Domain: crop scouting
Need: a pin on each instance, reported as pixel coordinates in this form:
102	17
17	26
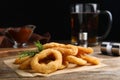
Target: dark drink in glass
84	22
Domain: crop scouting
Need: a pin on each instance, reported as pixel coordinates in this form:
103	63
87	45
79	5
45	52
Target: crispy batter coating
53	44
26	64
39	63
67	50
90	59
76	60
84	50
21	60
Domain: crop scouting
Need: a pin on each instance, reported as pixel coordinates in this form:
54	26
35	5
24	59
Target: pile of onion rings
56	56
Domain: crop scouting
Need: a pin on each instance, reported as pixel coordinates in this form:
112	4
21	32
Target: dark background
52	16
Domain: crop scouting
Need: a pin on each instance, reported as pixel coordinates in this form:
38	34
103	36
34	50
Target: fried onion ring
76	60
25	64
53	44
54	61
90	59
63	48
84	50
21	60
67	49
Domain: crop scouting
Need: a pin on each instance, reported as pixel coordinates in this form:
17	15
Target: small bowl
21	35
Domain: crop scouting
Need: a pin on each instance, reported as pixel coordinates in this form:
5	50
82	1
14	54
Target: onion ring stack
56	56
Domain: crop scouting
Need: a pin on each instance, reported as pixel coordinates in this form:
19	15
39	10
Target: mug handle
109	24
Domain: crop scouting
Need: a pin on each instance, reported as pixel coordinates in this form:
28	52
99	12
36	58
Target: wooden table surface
110	72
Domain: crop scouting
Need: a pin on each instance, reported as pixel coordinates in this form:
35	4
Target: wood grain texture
110	72
4	52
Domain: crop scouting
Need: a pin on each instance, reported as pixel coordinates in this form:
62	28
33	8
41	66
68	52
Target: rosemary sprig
27	53
32	53
39	45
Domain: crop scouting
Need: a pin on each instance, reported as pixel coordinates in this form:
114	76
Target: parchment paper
70	69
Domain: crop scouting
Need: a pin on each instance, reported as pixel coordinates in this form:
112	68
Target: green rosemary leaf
32	53
23	54
39	45
27	53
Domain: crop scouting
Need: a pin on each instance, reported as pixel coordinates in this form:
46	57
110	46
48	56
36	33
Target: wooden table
111	72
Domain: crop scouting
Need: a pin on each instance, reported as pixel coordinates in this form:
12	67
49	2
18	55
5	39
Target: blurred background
53	16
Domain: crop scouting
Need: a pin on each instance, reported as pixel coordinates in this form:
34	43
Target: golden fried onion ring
90	59
84	50
39	63
25	64
53	44
67	49
21	60
76	60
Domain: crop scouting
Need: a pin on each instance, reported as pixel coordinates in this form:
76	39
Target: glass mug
85	22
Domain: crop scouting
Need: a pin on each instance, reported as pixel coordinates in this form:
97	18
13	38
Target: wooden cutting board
4	52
